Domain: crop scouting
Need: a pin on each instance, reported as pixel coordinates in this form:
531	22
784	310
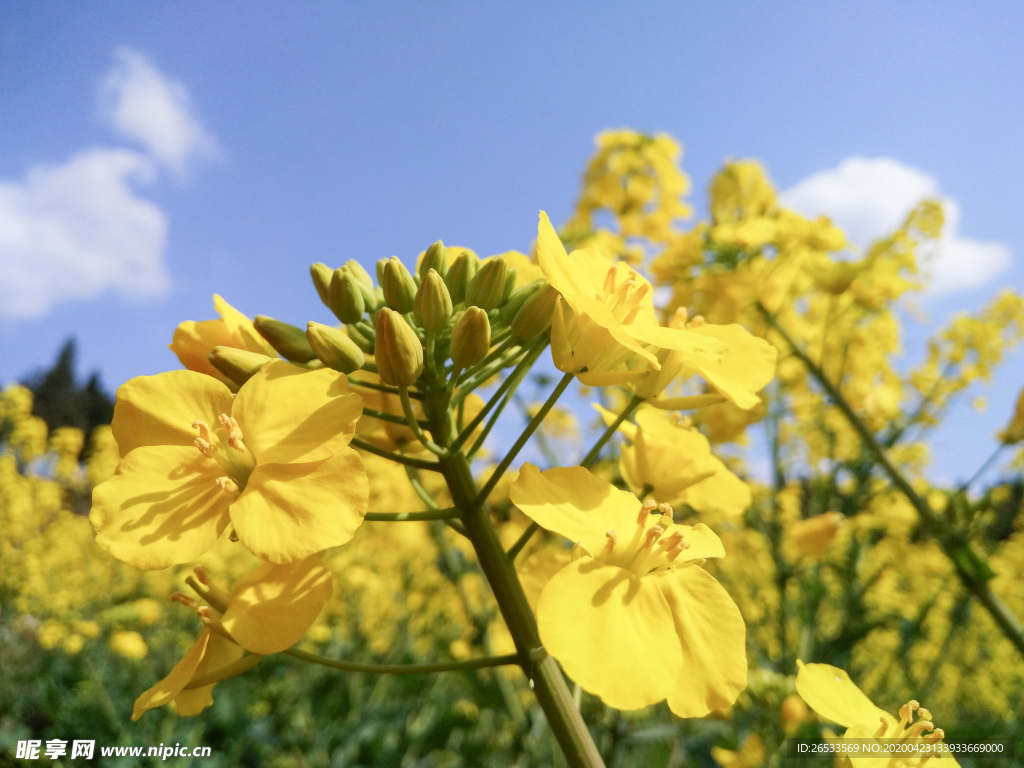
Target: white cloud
870	197
145	105
76	230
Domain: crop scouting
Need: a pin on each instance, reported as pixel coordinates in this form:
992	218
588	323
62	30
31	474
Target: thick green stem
972	569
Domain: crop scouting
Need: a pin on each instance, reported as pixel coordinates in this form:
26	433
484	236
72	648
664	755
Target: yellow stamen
205	447
234	433
204	429
678	321
920	727
225	483
697	322
181	597
653	534
882	728
613	539
924	714
609	280
645	511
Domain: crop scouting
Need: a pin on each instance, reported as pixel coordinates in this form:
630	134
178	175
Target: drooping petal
242	329
290	511
575	277
162	507
574	502
723	493
219	653
272	606
712	639
612	632
747	367
831	693
193	341
287	413
181	675
159	410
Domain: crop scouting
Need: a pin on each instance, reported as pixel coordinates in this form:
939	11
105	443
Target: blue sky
321	132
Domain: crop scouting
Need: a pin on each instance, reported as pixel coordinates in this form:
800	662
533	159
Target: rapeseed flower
635	619
831	693
267	611
193	341
272	461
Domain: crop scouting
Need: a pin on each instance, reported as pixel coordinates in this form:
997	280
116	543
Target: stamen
645	511
211	619
937	735
609	279
225	483
666	510
924	714
676	546
883	726
697	322
653	534
205	447
678	320
204	429
613	539
907	713
234	433
216	592
920	727
635	302
181	597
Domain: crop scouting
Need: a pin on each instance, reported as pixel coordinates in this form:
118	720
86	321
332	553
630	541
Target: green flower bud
471	338
381	263
517	299
289	341
239	365
435	259
511	273
487	286
345	298
462	270
535	315
433	305
321	275
399	287
359	273
362	340
333	348
398	352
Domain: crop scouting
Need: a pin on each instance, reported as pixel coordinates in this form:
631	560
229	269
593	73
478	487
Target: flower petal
272	606
287	413
290	511
159	410
537	570
161	507
747	367
704	543
241	328
219	653
193	341
575	503
831	693
711	636
164	692
578	276
723	493
610	630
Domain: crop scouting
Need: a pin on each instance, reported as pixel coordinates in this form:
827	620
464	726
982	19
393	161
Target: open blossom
831	693
605	315
635	620
272	461
193	340
267	611
674	461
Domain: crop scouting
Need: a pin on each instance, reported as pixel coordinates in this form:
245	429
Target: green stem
972	569
592	455
405	669
414	425
452	522
981	470
486	374
535	422
430	514
508	389
399	458
393	418
522	541
381	387
371	367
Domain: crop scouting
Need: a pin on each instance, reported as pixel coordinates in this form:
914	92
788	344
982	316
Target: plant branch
405	669
401	517
382	387
399	458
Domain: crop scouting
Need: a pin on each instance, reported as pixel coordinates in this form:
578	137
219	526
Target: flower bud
511	274
359	273
462	270
321	275
381	263
534	317
362	340
471	338
289	341
515	302
433	305
399	287
239	365
334	349
398	351
344	298
487	286
435	259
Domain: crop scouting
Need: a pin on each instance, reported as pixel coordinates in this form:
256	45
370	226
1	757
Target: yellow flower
604	316
635	620
831	693
674	461
268	611
193	341
128	644
812	536
275	464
